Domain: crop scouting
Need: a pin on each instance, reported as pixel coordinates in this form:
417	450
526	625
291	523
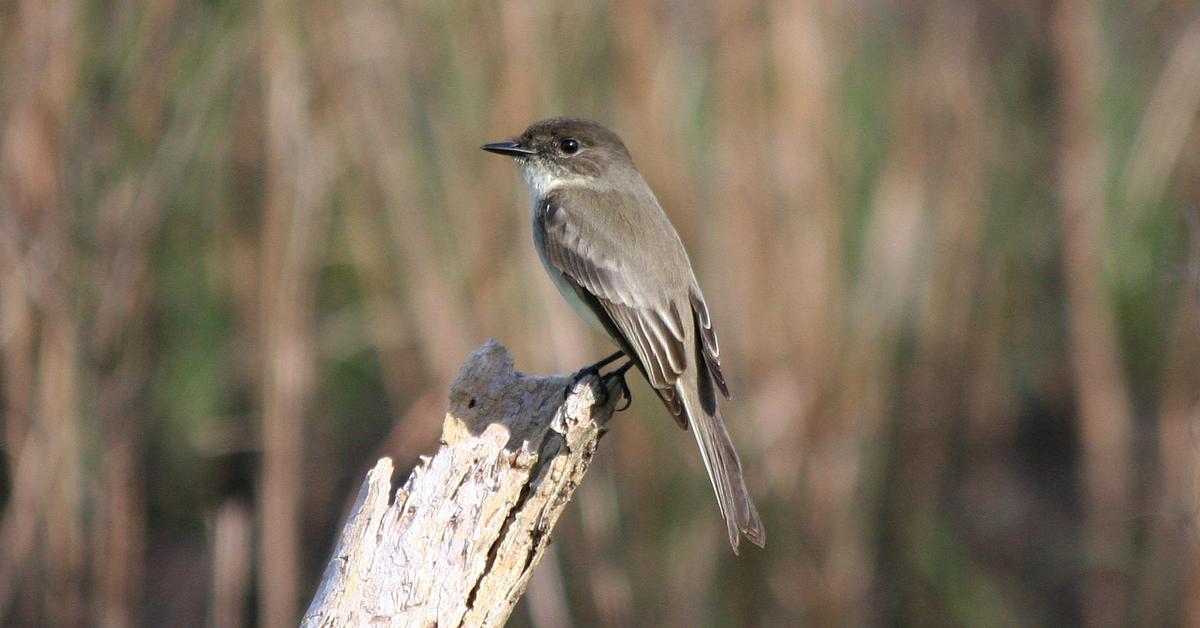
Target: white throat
542	181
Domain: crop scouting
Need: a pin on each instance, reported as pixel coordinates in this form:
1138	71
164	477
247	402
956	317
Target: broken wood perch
457	545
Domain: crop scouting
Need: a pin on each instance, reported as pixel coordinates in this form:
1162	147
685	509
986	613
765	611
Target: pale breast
565	287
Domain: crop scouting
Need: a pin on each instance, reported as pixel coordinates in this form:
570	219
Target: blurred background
952	249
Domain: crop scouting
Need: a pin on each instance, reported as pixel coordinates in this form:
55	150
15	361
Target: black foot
594	369
619	374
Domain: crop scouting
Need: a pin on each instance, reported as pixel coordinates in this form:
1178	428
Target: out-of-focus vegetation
951	249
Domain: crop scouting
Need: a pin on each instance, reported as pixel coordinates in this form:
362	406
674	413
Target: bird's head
567	151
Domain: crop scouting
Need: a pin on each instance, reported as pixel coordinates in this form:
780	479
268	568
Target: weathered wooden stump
458	543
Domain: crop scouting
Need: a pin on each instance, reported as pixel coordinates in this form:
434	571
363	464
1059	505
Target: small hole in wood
471	403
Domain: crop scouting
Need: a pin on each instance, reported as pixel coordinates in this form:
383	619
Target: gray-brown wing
643	322
708	339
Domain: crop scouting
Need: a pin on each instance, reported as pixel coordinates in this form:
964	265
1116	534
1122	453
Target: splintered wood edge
459	542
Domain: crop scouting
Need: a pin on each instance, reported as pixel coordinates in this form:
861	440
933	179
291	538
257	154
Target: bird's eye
569	146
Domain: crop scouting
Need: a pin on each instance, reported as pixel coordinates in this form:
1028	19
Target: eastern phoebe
613	254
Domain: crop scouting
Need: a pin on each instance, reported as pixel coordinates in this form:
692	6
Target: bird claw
619	374
627	394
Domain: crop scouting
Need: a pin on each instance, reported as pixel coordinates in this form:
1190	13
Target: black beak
510	148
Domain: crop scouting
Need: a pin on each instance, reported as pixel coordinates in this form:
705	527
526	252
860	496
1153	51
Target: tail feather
721	461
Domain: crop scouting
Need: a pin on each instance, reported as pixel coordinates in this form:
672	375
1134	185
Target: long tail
720	459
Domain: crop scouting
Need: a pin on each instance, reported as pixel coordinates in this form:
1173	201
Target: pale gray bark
457	545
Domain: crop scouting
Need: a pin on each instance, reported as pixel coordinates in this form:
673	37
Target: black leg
619	373
595	368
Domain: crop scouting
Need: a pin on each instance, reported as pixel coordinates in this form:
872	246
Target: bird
614	255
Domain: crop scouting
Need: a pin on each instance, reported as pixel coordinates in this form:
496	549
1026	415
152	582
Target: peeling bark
457	545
